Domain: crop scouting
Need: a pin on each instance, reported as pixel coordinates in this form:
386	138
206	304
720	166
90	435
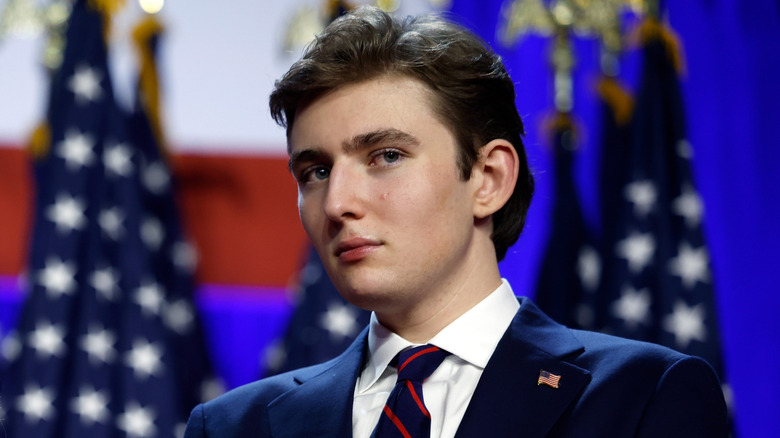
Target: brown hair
473	94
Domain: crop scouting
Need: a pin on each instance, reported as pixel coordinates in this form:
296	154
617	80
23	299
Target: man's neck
422	322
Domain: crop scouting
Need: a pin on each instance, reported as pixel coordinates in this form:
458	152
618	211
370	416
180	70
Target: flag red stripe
16	203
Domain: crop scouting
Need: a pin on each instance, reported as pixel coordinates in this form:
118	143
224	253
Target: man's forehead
390	82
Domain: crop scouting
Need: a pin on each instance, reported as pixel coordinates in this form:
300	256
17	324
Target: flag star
689	206
637	249
105	281
179	316
110	221
275	356
90	406
684	149
144	359
686	323
36	403
155	178
728	395
85	84
137	421
150	297
211	388
11	347
589	268
67	213
76	150
310	273
633	306
643	195
179	429
585	316
691	265
57	277
152	233
117	159
99	345
339	320
47	339
185	256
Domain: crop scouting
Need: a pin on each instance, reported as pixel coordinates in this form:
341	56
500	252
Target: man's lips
356	248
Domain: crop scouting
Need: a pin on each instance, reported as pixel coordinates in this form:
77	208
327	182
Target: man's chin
365	297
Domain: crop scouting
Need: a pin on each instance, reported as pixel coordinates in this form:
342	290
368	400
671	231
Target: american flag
569	276
657	278
548	378
108	343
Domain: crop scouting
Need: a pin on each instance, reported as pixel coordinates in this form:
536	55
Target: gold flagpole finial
149	90
563	20
107	7
521	17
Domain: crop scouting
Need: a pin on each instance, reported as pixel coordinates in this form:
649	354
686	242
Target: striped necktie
404	414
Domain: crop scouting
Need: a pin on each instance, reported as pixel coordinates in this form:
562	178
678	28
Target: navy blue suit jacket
609	387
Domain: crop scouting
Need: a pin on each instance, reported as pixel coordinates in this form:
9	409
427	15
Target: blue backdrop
731	98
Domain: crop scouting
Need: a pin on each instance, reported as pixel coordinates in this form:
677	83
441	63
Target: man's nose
345	194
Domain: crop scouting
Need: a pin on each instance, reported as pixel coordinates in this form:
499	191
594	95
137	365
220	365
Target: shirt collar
383	346
472	337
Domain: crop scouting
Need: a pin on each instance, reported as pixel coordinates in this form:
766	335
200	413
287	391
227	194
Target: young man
413	182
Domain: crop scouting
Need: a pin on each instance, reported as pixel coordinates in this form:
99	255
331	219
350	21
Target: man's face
380	197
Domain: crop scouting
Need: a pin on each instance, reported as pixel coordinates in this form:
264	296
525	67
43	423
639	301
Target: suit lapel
508	400
322	404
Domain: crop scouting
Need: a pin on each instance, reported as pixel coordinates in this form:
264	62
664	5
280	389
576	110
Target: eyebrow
368	139
389	135
305	155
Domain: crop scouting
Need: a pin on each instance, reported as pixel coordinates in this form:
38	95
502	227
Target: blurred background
149	236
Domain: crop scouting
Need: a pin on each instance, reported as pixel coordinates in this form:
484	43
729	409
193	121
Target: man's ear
495	174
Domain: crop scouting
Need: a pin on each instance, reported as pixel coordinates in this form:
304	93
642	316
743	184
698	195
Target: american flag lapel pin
548	378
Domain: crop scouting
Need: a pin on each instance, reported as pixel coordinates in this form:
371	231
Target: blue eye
391	156
313	174
321	173
384	157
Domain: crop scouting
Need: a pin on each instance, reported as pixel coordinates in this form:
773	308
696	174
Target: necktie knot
417	364
405	414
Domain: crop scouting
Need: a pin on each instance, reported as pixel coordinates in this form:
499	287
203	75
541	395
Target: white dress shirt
471	339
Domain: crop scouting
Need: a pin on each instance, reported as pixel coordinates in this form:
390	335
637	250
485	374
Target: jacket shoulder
611	359
245	408
603	347
267	389
659	391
